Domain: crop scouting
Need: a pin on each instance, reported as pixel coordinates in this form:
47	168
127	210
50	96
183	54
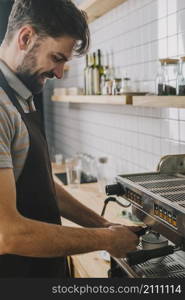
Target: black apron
36	198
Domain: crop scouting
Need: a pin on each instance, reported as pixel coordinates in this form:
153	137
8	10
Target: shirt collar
14	82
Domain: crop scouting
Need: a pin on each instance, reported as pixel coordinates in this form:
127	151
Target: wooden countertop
91	265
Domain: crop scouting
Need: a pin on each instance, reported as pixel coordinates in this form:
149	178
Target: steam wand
112	199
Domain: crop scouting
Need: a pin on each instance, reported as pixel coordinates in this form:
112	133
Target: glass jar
126	85
103	172
116	86
180	78
160	80
105	87
167	78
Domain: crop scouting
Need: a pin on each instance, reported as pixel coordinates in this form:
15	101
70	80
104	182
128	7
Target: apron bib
36	198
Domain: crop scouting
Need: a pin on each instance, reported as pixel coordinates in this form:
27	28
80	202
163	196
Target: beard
26	72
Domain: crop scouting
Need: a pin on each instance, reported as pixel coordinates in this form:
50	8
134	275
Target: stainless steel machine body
158	200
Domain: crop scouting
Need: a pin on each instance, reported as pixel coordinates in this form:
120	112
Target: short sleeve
5	139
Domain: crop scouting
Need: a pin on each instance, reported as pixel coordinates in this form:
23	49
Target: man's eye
57	59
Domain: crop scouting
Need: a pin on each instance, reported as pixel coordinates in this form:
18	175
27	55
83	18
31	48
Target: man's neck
7	57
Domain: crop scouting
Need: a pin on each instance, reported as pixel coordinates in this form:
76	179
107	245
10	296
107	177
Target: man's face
45	60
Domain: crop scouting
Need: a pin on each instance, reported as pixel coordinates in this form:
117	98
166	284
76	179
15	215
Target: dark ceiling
6	1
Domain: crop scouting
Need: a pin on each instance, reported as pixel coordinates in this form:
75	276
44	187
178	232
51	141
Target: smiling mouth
43	78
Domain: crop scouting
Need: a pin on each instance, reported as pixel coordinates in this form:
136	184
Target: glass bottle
180	78
116	86
102	85
96	76
126	84
166	76
103	75
90	74
105	64
86	69
100	65
97	73
160	80
111	72
170	75
170	71
165	83
105	86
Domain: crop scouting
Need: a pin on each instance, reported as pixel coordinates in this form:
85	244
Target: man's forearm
38	239
73	210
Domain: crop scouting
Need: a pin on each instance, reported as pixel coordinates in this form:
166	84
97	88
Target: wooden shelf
97	8
143	101
113	100
159	101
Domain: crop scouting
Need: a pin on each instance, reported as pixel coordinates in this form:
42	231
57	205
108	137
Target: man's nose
59	71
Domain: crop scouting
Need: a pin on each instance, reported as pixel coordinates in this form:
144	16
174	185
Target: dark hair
54	18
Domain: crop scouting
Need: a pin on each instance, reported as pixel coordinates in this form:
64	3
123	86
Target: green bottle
97	73
86	81
90	74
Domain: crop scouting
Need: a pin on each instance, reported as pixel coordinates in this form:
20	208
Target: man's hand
122	240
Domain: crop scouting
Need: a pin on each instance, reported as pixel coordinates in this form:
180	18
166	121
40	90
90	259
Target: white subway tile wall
138	33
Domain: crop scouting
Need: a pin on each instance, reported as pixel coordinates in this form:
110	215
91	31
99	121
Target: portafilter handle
140	256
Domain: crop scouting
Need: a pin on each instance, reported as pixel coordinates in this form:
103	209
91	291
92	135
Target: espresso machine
157	199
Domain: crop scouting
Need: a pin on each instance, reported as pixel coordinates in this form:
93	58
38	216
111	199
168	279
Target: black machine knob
114	189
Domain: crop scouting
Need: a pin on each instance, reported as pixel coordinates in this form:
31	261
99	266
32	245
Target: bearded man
42	35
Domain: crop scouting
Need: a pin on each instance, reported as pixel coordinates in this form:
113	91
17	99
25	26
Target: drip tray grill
169	267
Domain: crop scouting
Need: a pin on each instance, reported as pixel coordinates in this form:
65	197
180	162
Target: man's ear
26	37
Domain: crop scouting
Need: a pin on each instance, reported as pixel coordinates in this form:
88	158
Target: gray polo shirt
14	137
